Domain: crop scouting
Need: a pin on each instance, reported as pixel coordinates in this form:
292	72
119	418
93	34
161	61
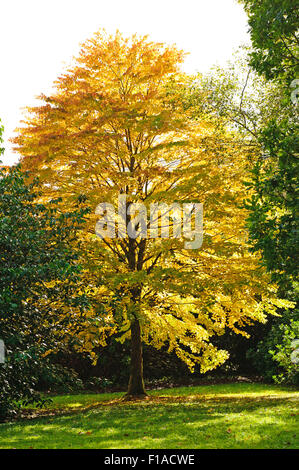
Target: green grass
233	416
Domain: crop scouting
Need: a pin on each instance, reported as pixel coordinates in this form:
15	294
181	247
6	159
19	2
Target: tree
1	139
115	131
271	356
273	26
273	221
267	129
39	286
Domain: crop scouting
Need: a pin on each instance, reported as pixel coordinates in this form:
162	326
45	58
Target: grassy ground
230	416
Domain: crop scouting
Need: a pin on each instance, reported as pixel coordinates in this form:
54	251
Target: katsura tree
115	134
40	283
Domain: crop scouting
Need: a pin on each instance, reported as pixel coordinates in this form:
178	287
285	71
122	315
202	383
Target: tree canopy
116	126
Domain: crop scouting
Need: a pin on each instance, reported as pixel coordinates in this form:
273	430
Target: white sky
38	37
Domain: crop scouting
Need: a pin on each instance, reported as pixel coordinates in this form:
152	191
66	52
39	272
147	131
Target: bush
272	356
56	378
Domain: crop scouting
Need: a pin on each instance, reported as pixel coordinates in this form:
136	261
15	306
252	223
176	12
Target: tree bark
136	383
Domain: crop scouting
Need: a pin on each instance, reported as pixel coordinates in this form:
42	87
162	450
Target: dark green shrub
271	356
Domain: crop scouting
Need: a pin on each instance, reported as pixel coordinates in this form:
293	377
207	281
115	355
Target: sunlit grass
217	416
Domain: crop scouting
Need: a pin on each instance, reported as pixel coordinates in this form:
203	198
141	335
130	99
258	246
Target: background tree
1	139
266	121
273	27
273	221
116	126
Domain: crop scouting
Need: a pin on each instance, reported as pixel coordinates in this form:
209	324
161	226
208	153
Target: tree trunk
136	384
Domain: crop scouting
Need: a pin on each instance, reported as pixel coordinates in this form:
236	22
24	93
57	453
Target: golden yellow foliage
112	128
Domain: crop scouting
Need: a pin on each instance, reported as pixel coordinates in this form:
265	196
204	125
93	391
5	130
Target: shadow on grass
174	422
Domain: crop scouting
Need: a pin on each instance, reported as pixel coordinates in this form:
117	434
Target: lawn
230	416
